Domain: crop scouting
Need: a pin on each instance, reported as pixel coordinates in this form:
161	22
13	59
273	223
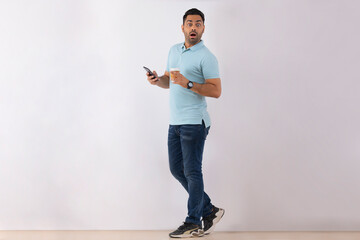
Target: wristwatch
190	84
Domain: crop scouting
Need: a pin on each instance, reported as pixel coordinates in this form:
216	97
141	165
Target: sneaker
187	230
212	219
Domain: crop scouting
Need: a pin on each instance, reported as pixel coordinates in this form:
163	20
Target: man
189	120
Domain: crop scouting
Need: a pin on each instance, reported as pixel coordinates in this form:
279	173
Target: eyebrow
191	21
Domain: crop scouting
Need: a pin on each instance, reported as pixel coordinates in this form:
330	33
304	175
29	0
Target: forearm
210	88
206	89
163	82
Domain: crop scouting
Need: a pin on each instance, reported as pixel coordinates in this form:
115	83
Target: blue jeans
185	146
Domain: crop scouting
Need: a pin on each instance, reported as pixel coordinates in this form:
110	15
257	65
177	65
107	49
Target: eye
198	24
189	24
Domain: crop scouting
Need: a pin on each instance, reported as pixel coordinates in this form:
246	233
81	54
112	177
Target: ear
204	29
182	28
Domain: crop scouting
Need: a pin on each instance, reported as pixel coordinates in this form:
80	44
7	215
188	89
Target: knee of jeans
177	173
193	175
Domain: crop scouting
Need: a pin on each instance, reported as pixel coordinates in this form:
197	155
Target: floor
163	235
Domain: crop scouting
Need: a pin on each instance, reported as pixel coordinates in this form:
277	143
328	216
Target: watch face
191	84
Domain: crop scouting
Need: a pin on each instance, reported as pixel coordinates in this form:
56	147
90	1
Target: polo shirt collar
193	48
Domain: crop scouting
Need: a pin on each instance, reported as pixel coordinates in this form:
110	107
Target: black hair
194	11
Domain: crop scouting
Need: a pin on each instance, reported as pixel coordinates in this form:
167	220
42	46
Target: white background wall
83	135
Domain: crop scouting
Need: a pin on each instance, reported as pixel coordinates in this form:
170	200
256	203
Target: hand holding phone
152	75
150	72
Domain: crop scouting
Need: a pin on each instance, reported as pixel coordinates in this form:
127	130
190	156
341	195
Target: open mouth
192	35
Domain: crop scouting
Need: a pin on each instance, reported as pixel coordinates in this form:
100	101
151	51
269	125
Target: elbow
217	94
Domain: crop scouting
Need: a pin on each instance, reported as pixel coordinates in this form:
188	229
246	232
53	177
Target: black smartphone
150	72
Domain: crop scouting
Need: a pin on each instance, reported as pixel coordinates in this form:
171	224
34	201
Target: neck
188	45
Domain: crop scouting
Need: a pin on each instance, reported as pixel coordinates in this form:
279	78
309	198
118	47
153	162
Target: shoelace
184	226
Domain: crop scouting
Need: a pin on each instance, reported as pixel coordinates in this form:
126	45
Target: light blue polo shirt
196	63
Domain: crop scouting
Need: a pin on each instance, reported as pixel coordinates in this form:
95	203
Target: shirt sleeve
210	67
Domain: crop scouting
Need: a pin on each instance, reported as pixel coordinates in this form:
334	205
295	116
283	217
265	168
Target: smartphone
150	72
